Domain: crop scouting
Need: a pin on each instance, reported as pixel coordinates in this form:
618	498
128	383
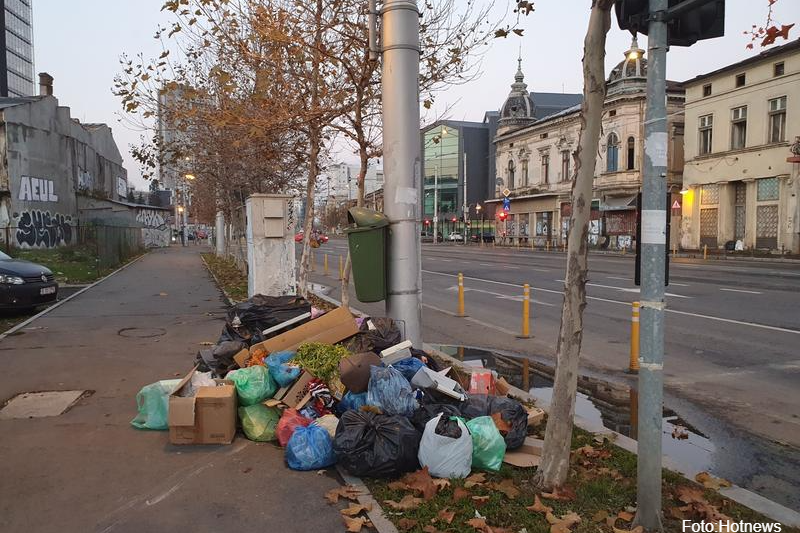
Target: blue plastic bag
408	366
352	401
390	391
282	373
310	448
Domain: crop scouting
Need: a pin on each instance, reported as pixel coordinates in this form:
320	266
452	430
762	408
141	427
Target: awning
621	203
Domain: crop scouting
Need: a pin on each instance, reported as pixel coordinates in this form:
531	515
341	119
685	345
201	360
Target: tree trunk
554	468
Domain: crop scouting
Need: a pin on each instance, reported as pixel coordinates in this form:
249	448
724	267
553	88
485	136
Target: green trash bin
367	241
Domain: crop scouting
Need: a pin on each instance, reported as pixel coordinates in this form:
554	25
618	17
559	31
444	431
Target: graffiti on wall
37	190
40	229
85	180
156	231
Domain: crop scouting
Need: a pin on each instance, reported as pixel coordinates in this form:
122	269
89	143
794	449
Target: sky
79	43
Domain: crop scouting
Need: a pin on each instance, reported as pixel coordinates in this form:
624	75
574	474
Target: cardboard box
294	394
332	327
535	416
526	456
208	417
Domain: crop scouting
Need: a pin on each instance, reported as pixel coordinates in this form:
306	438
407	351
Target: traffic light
427	222
688	21
502	215
454	219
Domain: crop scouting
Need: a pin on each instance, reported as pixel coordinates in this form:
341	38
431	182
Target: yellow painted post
341	268
674	251
705	252
326	264
526	312
624	250
460	295
313	258
634	364
547	245
533	243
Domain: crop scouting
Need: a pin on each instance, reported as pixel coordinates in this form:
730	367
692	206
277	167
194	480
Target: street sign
506	204
506	192
676	205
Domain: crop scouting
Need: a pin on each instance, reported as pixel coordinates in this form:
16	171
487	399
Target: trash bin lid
366	218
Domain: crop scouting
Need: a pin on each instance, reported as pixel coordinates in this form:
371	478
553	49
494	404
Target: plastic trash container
367	242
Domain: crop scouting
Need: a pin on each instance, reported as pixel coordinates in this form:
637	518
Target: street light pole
435	204
465	209
653	243
400	91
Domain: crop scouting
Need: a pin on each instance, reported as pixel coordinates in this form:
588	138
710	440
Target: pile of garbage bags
380	424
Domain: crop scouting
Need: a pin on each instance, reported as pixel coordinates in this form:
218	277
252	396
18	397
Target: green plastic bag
488	445
259	422
253	384
153	404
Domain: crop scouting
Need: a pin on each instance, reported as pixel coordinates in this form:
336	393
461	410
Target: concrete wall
49	158
154	221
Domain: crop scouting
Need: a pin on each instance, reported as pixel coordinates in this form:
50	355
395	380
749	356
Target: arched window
631	153
524	173
510	183
612	153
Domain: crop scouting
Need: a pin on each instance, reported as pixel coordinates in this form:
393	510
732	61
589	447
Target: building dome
632	69
518	108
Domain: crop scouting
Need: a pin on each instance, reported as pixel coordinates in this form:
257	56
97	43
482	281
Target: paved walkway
88	469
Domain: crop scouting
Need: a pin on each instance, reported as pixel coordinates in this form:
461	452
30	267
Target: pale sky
79	43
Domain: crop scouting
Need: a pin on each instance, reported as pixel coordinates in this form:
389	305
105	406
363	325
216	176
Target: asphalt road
732	331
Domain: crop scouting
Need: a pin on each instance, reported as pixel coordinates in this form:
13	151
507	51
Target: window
543	225
612	113
612	153
738	127
565	165
543	136
524	173
767	189
545	168
777	120
631	153
706	134
707	89
777	69
510	183
740	80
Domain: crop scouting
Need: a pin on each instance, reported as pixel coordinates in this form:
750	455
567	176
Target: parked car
25	285
427	236
298	237
455	237
487	237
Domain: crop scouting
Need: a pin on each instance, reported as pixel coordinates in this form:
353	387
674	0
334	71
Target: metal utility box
367	242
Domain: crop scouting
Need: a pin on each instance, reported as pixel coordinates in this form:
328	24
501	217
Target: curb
227	296
376	514
68	298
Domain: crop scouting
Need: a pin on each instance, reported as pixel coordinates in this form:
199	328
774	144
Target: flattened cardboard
293	395
501	387
209	417
526	456
332	327
242	357
535	416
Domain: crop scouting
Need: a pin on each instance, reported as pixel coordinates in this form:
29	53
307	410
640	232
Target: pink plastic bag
290	420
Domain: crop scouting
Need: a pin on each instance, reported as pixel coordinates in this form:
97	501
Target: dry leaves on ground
625	515
475	479
355	509
538	506
481	525
592	452
680	433
460	493
697	506
445	516
348	491
564	493
354	525
441	483
480	501
711	482
408	503
600	516
404	524
422	482
563	524
507	487
637	529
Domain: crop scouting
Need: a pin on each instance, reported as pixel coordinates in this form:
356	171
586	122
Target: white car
455	236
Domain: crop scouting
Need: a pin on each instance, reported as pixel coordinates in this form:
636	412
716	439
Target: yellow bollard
526	313
533	243
634	364
460	295
705	252
313	257
547	245
341	268
675	251
624	250
326	264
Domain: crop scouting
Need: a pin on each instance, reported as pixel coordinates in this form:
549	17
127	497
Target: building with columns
535	166
741	187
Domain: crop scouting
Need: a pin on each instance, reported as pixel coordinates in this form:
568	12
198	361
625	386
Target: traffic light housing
502	215
688	21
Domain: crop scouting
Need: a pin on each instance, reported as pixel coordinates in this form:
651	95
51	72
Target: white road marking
741	290
541	269
627	304
500	295
678	284
626	289
621	279
487	264
443	260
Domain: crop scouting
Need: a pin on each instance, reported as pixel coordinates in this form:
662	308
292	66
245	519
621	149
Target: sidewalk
88	469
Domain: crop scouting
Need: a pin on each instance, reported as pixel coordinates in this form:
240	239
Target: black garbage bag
429	361
428	411
219	359
384	333
511	411
369	444
247	320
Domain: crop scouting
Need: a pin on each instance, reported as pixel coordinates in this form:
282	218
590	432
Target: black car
25	285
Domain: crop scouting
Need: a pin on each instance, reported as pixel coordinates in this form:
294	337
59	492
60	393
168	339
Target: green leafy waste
321	359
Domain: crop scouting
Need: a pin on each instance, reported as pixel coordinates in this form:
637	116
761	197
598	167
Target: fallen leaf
398	485
590	451
563	524
408	503
564	493
603	438
355	509
441	483
475	479
637	529
599	516
610	472
422	482
507	487
625	516
354	525
502	426
446	516
538	506
688	494
460	493
430	529
347	491
711	482
480	501
680	433
406	523
477	523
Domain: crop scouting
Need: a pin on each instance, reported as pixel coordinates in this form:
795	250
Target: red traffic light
503	215
427	222
454	219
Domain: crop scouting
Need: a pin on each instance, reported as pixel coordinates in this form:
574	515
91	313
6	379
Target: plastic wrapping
352	401
329	423
408	366
375	335
283	373
426	412
259	422
310	448
152	401
488	446
390	391
219	359
369	444
446	448
511	411
290	420
253	384
247	320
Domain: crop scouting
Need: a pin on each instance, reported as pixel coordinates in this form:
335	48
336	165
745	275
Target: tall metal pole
435	204
653	243
465	208
219	234
401	153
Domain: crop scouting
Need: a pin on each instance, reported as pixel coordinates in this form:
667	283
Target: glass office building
16	61
441	153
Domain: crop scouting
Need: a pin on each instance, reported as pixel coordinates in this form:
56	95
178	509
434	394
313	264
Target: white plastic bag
446	456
